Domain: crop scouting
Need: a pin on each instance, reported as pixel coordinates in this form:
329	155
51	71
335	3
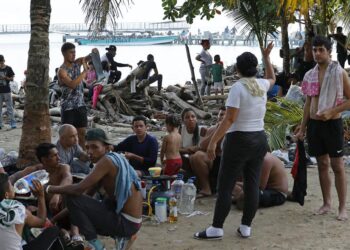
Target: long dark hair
195	138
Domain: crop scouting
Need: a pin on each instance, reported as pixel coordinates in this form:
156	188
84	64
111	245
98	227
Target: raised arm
269	72
101	169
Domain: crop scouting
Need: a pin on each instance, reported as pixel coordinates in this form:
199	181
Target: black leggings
242	152
47	240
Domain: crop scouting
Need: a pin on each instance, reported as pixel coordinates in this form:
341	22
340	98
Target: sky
70	11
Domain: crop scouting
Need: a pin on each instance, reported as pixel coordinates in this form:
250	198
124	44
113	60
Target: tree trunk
36	121
285	43
193	78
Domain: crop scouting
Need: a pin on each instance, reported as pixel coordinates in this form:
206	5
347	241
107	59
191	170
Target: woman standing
206	61
245	143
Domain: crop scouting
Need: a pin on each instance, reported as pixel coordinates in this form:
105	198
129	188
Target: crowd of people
219	156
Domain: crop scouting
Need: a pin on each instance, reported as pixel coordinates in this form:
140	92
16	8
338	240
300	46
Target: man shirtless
324	87
119	215
273	184
201	165
59	174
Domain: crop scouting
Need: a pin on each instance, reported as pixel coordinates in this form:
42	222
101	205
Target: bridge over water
81	27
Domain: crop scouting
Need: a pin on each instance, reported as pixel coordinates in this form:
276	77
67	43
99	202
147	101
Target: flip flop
202	195
240	234
203	236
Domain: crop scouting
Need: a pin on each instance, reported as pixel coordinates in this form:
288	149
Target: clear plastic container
161	209
188	197
176	186
22	186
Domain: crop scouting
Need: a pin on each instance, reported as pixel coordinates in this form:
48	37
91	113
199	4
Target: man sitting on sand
171	147
140	149
273	184
59	174
202	166
69	148
119	215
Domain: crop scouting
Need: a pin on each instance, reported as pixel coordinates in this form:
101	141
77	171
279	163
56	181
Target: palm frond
280	117
100	12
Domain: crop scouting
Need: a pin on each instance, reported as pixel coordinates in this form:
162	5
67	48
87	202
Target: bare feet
323	210
343	215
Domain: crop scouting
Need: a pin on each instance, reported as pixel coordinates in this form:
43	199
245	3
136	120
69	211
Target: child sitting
90	78
171	146
14	216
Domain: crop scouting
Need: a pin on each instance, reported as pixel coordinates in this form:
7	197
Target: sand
289	226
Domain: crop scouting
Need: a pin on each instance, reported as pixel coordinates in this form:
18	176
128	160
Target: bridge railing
81	27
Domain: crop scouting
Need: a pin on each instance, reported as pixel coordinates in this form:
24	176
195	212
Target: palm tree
36	119
257	18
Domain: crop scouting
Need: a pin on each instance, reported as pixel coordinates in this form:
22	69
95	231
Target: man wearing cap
109	57
120	212
6	75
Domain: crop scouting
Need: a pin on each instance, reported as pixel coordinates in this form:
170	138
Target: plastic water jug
22	186
188	196
176	187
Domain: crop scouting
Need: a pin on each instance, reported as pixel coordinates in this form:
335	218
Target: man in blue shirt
140	149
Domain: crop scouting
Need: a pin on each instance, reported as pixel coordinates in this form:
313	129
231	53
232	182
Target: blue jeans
6	97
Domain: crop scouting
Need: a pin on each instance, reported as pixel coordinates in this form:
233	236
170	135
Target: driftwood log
193	77
215	97
182	104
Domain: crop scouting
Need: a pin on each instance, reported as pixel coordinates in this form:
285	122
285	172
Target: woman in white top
206	61
191	133
245	143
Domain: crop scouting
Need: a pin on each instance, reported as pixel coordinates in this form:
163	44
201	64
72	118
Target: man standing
73	109
342	52
109	57
150	64
324	86
119	214
68	149
6	75
140	149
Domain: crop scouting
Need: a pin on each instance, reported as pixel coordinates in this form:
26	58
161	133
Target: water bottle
22	186
176	186
188	196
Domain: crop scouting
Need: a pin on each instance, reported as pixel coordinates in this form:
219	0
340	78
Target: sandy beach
290	226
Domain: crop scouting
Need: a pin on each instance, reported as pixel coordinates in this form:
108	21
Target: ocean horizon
171	59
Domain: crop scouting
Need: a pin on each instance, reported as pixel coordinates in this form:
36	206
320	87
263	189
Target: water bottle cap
180	176
161	199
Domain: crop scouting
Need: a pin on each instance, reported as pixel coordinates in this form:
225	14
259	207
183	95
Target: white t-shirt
206	57
251	108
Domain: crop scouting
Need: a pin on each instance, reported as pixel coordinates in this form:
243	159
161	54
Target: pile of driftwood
119	102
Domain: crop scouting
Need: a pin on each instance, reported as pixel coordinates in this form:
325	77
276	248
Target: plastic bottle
176	186
172	210
22	186
161	209
188	196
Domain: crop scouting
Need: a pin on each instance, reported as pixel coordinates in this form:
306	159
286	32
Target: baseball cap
111	47
97	134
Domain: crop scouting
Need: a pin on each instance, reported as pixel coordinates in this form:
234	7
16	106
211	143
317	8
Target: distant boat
128	40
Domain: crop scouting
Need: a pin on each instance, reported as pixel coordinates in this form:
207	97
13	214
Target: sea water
171	60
